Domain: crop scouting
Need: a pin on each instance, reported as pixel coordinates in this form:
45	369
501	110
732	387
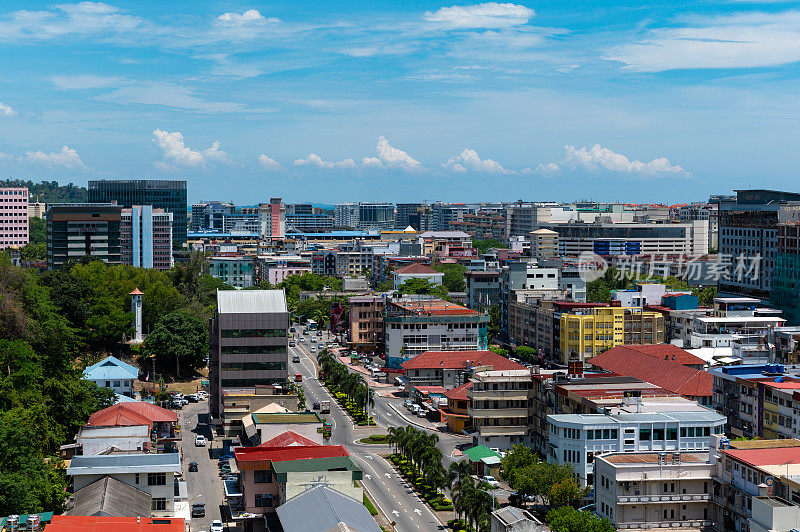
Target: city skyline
389	101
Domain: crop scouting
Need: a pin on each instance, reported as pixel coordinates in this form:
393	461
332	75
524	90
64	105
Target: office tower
13	216
248	341
161	194
365	215
272	217
748	230
146	237
75	230
210	215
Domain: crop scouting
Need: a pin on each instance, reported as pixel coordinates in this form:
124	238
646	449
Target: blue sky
405	101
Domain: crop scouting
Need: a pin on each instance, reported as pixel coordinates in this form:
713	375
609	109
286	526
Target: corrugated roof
479	452
315	464
250	301
651	458
764	457
109	496
670	352
111	368
329	508
134	413
281	454
764	444
667	374
288	439
110	464
460	359
459	392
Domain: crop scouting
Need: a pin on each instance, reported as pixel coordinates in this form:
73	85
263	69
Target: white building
95	440
576	439
500	407
272	219
416	271
113	373
154	474
640	491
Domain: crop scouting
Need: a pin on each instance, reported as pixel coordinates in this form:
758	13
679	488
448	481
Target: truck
324	407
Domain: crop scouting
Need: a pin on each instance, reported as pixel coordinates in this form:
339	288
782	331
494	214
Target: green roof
286	417
44	517
334	463
479	452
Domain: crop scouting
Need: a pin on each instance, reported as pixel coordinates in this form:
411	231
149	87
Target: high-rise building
161	194
13	216
210	215
364	215
272	217
248	341
785	282
75	230
415	215
748	229
146	237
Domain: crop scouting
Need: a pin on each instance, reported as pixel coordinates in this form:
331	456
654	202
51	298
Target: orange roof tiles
416	268
81	523
671	376
460	359
285	454
668	352
288	439
134	413
458	393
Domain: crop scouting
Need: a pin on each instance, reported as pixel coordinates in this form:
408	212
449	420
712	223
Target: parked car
192	467
296	359
421	412
489	479
315	406
216	526
192	398
199	510
200	441
407	403
177	403
301	339
313	349
291	343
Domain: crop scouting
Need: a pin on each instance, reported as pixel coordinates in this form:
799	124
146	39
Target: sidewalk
436	427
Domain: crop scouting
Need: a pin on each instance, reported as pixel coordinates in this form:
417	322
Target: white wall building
94	440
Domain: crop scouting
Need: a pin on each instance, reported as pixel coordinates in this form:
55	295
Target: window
253	333
116	384
136	478
253	350
262	476
672	434
159	504
156	479
658	434
644	434
263	500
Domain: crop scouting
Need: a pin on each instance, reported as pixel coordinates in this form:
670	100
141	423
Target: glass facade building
161	194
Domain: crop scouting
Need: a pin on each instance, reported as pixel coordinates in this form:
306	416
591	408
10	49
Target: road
204	485
393	497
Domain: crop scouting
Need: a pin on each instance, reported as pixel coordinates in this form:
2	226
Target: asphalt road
203	485
393	497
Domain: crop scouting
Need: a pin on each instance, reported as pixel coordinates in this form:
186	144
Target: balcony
639	499
491	430
649	525
498	412
500	395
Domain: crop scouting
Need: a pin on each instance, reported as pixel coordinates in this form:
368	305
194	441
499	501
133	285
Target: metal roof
329	508
111	368
251	301
109	496
654	417
315	464
124	463
286	417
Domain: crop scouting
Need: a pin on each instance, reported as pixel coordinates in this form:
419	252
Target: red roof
668	352
667	374
416	268
104	523
134	413
434	307
459	393
459	360
765	457
430	389
136	292
288	454
289	439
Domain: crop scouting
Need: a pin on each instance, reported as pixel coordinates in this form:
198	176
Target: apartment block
210	216
75	230
248	341
500	407
366	323
483	289
13	216
146	237
237	271
272	217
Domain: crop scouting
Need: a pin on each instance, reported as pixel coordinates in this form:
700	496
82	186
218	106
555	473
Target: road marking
388	475
417	511
395	512
368	477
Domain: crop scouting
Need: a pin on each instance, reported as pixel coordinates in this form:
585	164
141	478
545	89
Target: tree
419	285
37	231
486	244
453	278
499	351
566	492
178	339
33	252
568	519
525	353
494	322
705	295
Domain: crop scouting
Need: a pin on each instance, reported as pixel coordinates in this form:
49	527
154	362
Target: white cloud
469	160
486	15
743	40
392	156
67	157
371	162
269	164
314	160
170	96
85	81
77	19
7	110
249	17
598	158
175	152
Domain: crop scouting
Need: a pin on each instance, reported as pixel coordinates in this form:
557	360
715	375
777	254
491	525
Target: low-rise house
450	369
455	412
416	271
96	440
154	474
640	491
113	373
163	423
272	475
332	511
80	523
238	403
511	519
263	427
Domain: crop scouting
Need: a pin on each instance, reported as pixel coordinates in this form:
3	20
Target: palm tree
392	431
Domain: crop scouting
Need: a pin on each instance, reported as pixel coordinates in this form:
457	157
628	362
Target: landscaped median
377	439
409	472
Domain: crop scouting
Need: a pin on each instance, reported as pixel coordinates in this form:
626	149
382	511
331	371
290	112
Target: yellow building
586	332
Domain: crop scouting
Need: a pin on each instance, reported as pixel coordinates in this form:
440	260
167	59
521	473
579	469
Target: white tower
136	308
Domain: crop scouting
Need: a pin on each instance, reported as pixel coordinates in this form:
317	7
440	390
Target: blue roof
222	235
332	234
111	368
